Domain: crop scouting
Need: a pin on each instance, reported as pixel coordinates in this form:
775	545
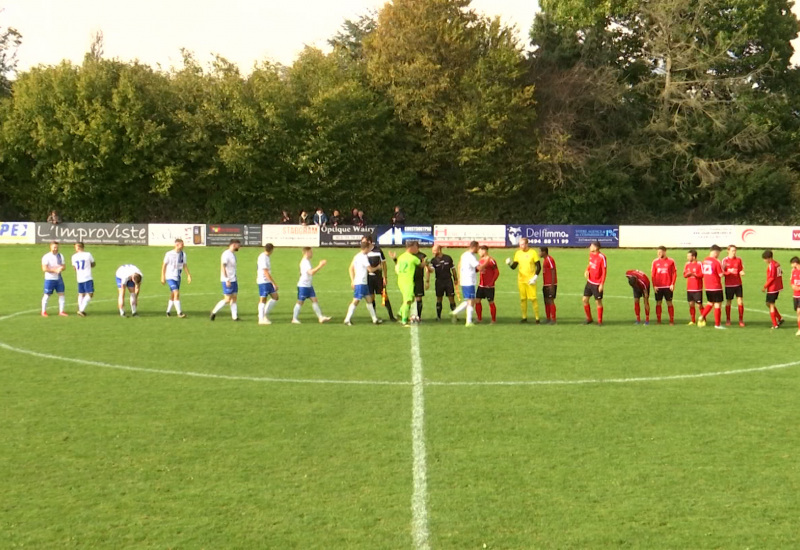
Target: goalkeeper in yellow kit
527	260
406	268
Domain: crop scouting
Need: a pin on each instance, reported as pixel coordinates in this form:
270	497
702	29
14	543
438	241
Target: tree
10	40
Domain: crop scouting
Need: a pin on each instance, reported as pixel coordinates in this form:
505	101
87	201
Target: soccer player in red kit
693	273
772	287
712	280
549	284
733	269
489	276
641	289
595	281
795	282
664	274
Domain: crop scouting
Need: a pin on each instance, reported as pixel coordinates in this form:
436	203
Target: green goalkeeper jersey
406	266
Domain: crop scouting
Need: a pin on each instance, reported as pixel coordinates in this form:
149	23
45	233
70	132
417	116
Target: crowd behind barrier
451	235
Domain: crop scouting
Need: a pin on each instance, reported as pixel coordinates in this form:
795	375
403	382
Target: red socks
587	309
717	316
705	311
599	315
728	314
658	312
493	309
637	309
479	311
671	311
741	314
692	313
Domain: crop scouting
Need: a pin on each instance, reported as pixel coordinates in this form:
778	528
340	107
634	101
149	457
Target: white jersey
361	265
305	276
175	262
263	263
229	261
126	272
467	274
82	262
52	260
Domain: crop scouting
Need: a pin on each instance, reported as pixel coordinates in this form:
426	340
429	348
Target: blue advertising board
563	235
397	236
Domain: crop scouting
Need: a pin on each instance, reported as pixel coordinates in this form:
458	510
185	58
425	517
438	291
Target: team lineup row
475	275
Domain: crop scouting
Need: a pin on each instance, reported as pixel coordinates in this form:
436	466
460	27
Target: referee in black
377	280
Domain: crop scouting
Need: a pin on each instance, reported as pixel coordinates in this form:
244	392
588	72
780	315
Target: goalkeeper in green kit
406	267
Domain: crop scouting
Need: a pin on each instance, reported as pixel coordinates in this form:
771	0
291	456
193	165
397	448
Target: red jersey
712	271
796	282
732	267
549	276
693	272
641	279
774	277
490	273
598	265
663	273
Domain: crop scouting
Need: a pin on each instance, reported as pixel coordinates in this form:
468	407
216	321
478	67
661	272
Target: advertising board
762	236
460	235
17	232
398	236
290	235
563	235
165	234
344	235
675	236
92	233
221	234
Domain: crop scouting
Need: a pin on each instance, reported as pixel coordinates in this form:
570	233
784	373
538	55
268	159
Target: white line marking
618	380
201	374
419	499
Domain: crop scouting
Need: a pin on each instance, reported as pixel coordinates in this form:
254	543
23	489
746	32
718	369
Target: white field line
419	498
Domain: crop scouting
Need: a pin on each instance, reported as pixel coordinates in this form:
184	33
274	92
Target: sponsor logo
796	234
747	233
13	229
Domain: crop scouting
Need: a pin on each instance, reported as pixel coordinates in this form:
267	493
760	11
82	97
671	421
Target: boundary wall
451	235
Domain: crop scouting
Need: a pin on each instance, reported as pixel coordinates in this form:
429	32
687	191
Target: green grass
93	456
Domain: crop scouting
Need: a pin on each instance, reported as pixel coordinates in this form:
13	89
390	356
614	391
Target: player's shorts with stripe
526	291
664	294
375	283
445	287
468	292
51	286
265	289
229	290
130	284
174	284
592	290
361	291
549	292
714	296
732	292
419	287
772	297
305	292
638	292
86	287
485	293
407	291
694	296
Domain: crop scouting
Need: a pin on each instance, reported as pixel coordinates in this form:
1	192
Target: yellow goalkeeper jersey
527	264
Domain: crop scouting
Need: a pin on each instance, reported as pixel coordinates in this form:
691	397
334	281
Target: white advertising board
17	232
290	235
676	236
461	235
763	236
164	234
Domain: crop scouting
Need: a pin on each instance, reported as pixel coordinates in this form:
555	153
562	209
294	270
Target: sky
243	31
154	31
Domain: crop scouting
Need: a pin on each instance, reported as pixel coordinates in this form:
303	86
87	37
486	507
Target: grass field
182	433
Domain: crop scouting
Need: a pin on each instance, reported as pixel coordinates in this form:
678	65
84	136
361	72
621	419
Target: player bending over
641	289
128	277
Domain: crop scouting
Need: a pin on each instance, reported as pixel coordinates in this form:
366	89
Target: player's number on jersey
707	269
81	264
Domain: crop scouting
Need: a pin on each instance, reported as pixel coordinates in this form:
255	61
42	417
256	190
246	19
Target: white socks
371	309
461	307
169	306
45	298
296	312
83	302
218	307
317	309
261	310
350	311
234	310
62	300
270	306
133	302
470	309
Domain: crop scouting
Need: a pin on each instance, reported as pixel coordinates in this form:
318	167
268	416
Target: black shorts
638	292
796	304
663	294
733	291
714	296
593	290
375	284
694	296
549	292
419	288
772	297
444	288
485	293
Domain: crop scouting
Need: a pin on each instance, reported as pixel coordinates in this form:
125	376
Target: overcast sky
243	31
154	31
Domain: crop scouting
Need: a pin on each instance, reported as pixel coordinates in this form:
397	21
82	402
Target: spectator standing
335	219
398	218
320	218
354	217
285	217
304	218
362	221
53	218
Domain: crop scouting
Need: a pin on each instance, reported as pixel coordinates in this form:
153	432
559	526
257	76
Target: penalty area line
419	498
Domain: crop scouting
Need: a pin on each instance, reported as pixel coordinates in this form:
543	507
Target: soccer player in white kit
359	270
468	268
305	289
172	268
230	285
267	287
83	262
128	276
52	266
